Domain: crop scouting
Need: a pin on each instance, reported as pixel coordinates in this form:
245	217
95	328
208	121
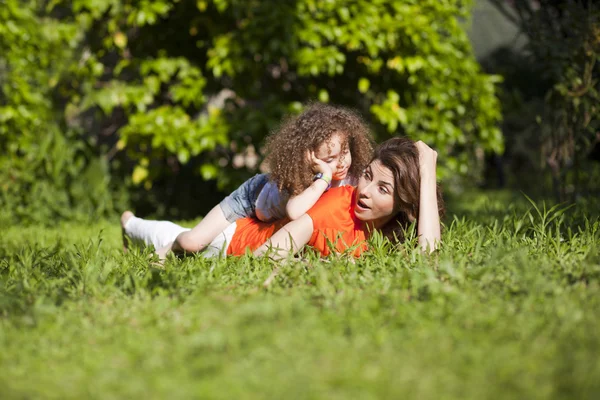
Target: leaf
363	85
323	96
139	174
120	40
209	171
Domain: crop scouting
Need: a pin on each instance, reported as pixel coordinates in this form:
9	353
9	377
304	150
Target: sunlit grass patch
507	308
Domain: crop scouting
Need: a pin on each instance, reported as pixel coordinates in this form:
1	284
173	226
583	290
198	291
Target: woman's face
374	201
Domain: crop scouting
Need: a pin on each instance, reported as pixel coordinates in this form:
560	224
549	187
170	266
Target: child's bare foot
126	216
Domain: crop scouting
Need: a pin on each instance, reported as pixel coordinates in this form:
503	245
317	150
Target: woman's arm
298	205
429	218
289	239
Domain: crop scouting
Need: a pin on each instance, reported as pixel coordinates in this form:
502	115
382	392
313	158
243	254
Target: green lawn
510	308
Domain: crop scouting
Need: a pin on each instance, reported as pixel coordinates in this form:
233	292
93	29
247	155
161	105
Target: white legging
162	233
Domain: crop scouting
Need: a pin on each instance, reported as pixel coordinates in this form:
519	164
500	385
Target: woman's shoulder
337	194
334	206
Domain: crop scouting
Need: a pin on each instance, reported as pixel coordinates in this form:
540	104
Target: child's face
337	155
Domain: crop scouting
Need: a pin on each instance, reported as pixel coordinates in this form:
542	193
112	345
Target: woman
398	187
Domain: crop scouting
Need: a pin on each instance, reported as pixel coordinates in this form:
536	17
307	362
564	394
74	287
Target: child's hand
319	165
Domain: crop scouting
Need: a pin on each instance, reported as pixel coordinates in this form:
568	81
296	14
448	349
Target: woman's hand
162	252
318	165
427	159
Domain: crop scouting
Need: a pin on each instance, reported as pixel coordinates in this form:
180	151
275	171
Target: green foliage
47	171
506	309
153	85
568	124
408	65
552	103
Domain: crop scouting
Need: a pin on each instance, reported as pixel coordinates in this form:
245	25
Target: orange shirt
251	233
334	226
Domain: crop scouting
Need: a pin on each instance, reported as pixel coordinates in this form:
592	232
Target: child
325	146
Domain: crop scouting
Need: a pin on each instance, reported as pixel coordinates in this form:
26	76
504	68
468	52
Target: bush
553	101
47	171
155	85
212	78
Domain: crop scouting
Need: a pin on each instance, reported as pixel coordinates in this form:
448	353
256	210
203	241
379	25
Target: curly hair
286	148
401	157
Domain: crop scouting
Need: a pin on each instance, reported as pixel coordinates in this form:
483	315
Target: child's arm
298	205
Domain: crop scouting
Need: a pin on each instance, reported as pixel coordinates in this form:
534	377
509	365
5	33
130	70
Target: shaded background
163	106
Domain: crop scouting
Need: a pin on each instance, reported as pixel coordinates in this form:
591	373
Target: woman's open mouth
361	206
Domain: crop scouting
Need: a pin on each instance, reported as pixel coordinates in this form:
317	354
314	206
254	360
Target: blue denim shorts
241	203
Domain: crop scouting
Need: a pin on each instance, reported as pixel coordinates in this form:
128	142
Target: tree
407	65
47	171
564	45
156	86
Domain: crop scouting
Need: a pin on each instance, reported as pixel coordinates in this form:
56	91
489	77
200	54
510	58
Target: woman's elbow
188	243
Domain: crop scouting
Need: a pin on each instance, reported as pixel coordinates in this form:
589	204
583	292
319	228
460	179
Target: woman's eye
383	190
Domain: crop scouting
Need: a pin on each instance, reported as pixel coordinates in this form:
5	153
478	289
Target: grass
507	309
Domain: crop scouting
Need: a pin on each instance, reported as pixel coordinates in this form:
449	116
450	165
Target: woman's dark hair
286	148
401	157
